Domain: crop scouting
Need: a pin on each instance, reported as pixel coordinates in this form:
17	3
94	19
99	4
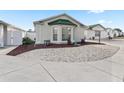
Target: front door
66	33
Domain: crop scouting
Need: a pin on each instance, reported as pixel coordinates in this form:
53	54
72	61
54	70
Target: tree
27	41
118	29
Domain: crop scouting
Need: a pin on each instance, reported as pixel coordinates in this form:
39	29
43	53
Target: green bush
27	41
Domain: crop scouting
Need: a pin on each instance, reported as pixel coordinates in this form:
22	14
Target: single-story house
59	29
90	34
110	32
118	32
10	35
31	34
99	30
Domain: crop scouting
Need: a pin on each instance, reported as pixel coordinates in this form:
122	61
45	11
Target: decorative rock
73	54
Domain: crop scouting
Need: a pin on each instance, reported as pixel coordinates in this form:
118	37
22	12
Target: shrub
69	41
82	41
27	41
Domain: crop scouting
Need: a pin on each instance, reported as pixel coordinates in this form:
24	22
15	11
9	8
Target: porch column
1	36
59	35
5	35
72	35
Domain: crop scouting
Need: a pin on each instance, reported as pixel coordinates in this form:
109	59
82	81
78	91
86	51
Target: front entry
62	34
66	33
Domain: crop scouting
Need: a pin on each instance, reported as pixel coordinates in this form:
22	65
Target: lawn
122	37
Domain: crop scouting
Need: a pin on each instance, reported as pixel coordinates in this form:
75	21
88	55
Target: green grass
122	37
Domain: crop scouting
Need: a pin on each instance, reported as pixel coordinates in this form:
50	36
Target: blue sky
25	18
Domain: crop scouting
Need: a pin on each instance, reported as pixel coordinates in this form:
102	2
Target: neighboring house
99	29
10	35
31	35
110	32
58	29
90	34
118	32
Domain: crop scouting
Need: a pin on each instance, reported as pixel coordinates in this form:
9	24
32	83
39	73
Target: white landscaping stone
73	54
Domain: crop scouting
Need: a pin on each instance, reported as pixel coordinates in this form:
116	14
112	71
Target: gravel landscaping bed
73	54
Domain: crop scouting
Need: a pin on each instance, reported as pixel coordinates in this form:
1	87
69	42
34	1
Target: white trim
59	32
57	16
1	36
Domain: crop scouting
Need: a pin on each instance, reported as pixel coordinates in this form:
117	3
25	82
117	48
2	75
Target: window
97	33
11	34
55	34
66	33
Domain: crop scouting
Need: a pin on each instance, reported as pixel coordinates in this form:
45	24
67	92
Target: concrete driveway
15	69
6	49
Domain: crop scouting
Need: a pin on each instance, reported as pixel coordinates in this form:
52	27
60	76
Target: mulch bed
25	48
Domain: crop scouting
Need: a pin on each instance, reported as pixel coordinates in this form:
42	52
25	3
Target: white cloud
109	22
104	22
101	21
96	11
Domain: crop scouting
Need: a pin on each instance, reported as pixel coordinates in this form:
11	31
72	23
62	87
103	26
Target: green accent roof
61	22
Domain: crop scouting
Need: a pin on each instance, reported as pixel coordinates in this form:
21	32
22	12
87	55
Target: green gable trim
61	22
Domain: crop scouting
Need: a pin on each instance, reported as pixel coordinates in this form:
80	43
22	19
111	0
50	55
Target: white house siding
14	36
79	34
116	34
37	28
89	34
10	35
23	34
31	35
5	35
110	32
44	31
1	35
121	33
48	29
98	28
103	32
